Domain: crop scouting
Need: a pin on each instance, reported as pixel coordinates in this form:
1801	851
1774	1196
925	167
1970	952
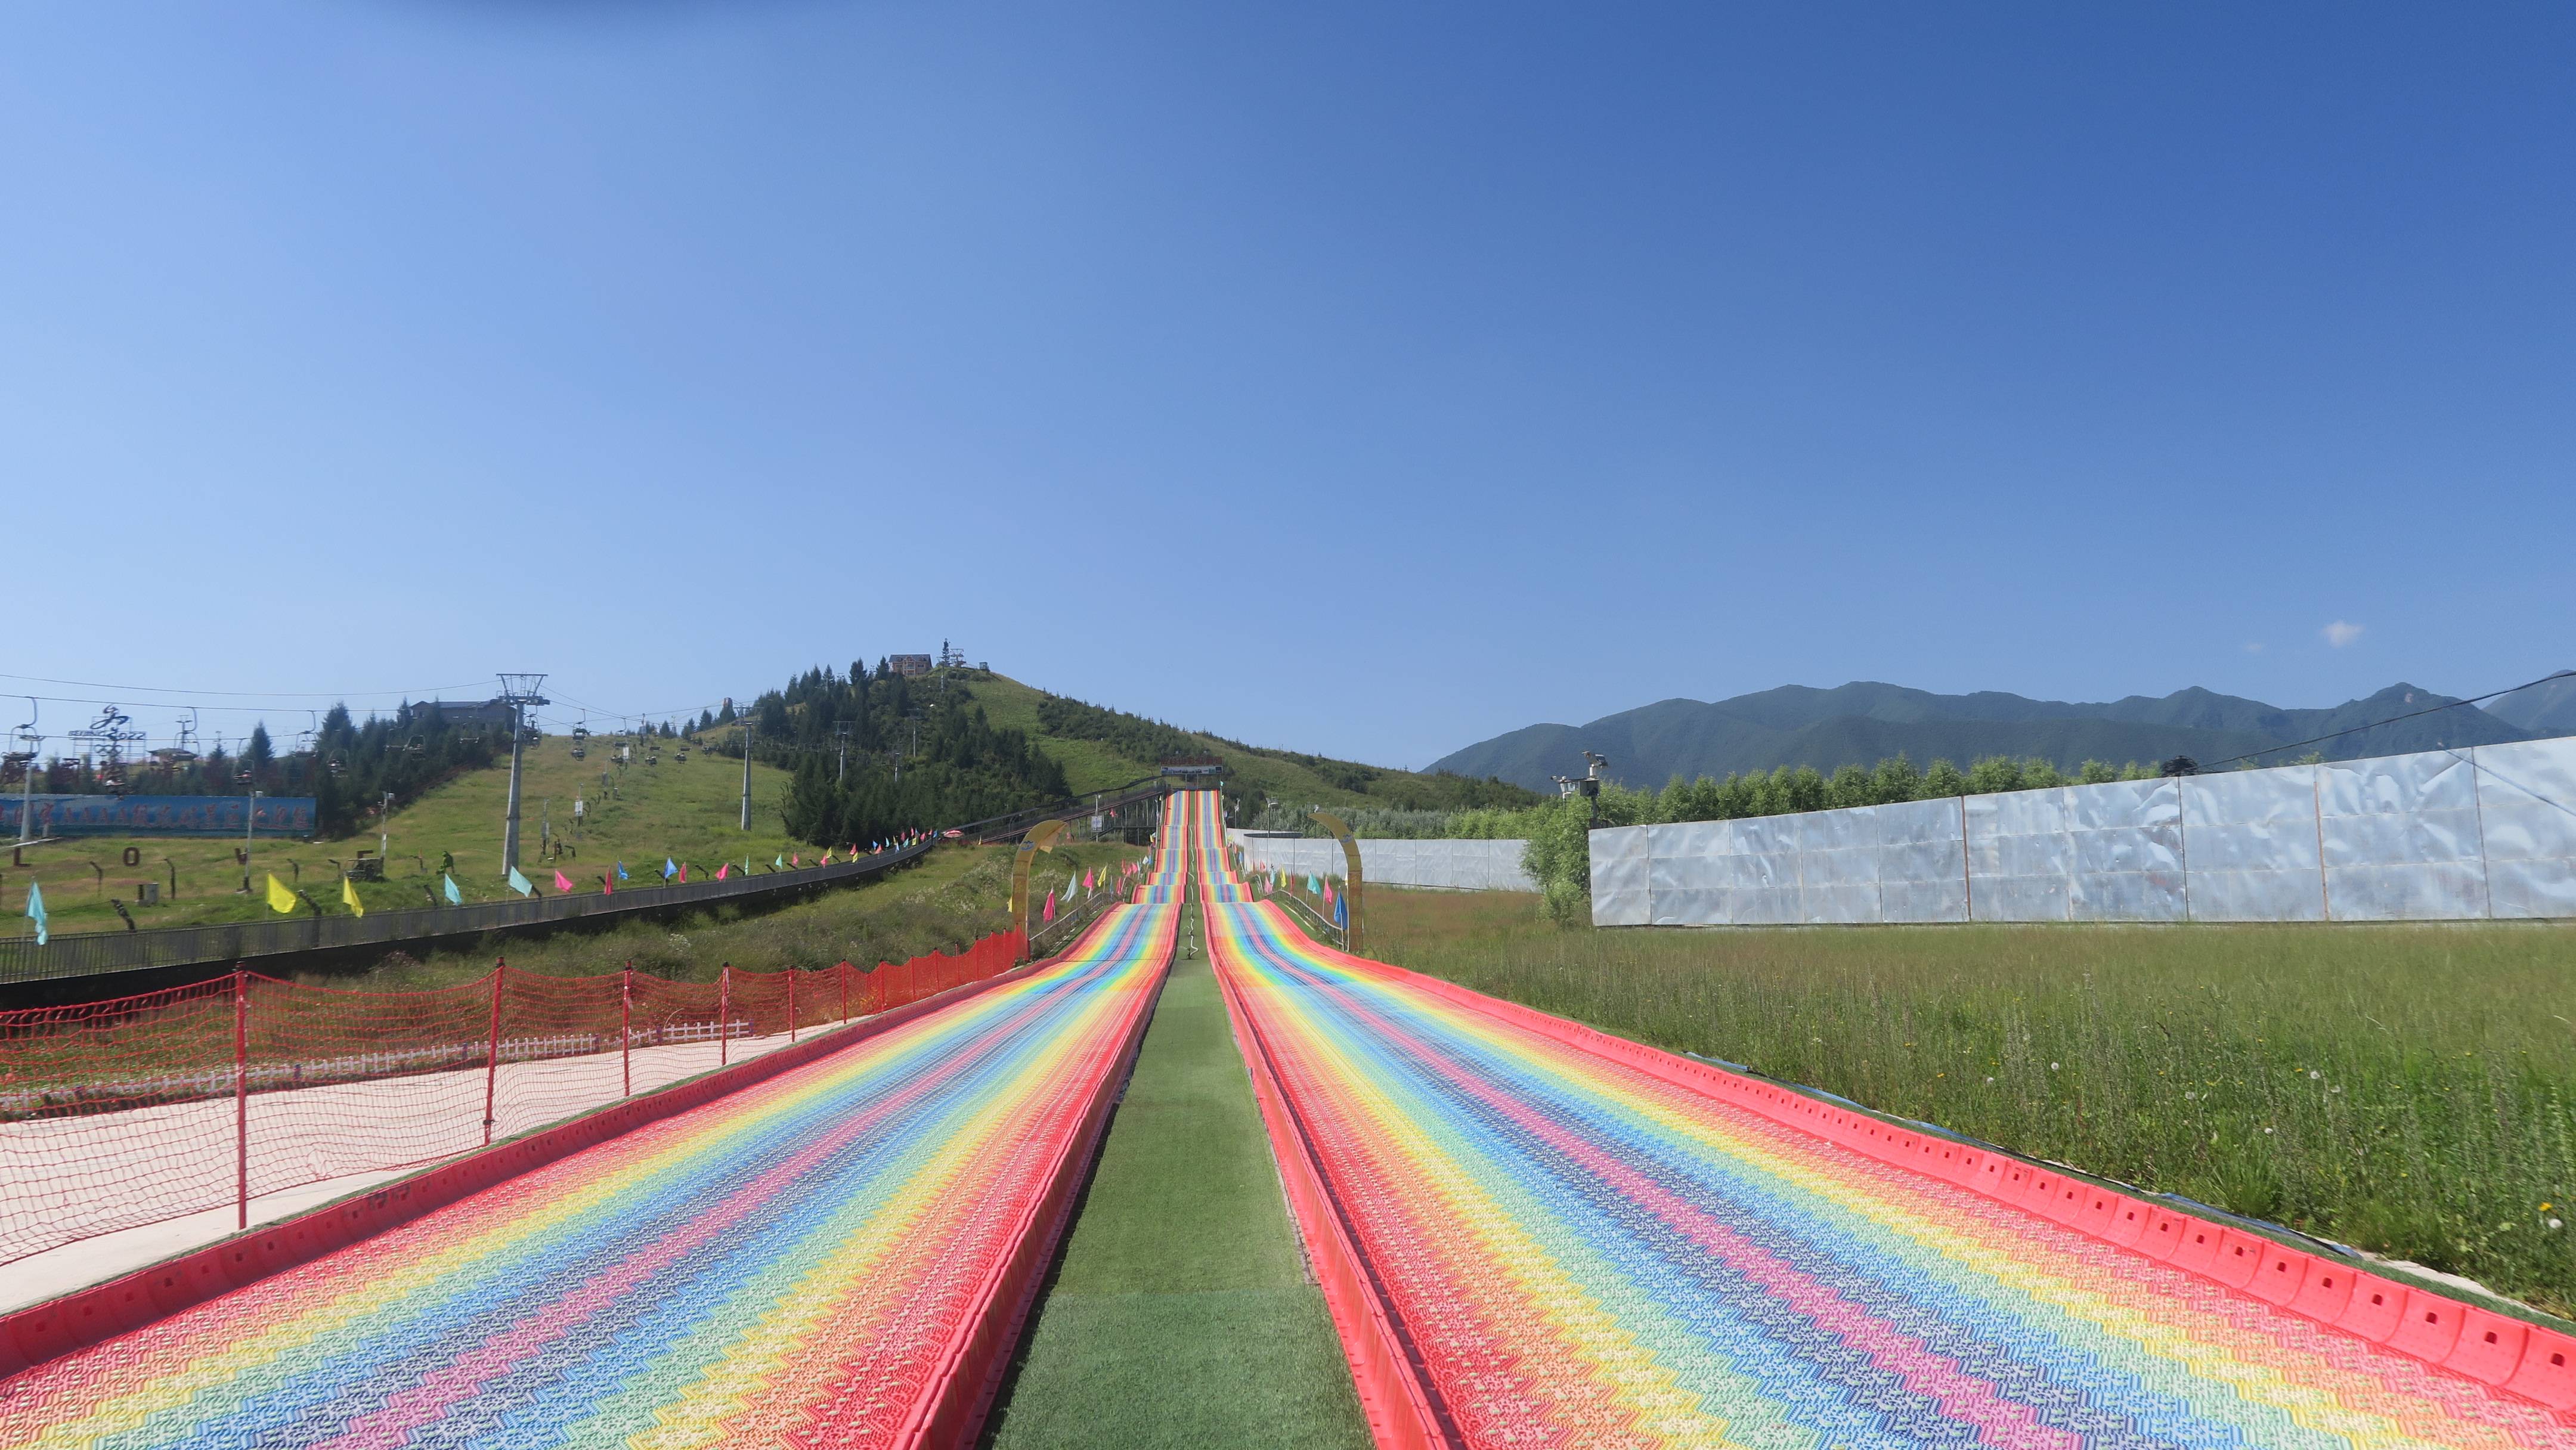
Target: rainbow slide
1532	1235
839	1255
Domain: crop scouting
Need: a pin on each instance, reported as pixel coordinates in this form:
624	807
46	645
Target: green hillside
1101	749
642	814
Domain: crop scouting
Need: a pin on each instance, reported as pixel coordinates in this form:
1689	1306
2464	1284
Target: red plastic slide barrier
128	1112
1390	1387
2530	1360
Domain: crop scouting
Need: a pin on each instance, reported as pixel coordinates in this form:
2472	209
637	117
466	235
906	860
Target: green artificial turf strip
1181	1314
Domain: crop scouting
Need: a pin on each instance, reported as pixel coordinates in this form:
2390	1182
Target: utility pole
250	819
27	795
746	772
843	731
519	692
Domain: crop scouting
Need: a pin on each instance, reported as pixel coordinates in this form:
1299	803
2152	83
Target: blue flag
621	870
1342	912
454	896
669	870
36	909
781	863
519	883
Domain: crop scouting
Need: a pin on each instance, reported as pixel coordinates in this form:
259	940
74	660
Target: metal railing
94	953
1060	933
1322	925
999	829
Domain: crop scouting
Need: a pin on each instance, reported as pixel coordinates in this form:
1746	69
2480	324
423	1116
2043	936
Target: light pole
746	772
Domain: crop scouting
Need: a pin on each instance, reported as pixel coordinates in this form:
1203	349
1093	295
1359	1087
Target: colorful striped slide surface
796	1263
1573	1252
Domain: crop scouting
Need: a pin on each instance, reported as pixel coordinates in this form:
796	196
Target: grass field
644	813
1180	1315
956	896
2408	1090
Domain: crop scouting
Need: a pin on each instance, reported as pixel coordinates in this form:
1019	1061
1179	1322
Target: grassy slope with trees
687	811
1101	749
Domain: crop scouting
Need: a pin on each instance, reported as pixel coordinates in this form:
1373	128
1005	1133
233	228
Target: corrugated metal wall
2437	836
1457	865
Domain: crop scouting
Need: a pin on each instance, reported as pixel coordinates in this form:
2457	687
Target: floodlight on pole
519	692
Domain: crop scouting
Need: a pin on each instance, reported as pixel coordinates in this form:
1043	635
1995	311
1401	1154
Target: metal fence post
241	1096
492	1055
791	1004
724	1014
626	1029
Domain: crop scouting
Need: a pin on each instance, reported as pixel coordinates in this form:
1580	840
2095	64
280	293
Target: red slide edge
1391	1393
85	1317
972	1365
2529	1361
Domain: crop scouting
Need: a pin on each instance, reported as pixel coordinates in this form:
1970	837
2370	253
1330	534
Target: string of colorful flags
284	899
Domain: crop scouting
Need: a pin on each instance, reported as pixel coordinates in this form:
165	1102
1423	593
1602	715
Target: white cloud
2253	646
2341	633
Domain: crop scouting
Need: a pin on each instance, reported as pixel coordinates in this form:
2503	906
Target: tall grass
2409	1090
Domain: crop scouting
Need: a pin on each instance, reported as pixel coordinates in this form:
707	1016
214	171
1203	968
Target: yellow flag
280	899
349	897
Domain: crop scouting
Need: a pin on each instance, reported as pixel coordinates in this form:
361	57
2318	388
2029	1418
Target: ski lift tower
519	692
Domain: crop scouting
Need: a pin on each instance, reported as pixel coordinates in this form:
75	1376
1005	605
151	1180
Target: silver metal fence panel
1922	862
1621	895
2251	840
2399	835
1765	906
2126	838
2020	860
2527	818
1685	874
1838	866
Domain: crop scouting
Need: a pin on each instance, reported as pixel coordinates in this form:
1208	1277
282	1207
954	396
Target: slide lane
837	1255
1555	1248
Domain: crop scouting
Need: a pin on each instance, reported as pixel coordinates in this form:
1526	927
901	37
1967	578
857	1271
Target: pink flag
562	882
1049	913
795	860
684	875
721	870
827	855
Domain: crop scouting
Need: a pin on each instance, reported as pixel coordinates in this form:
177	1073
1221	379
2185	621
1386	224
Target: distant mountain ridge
1865	721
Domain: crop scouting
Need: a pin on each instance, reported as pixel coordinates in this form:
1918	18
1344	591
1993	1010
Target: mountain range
1864	721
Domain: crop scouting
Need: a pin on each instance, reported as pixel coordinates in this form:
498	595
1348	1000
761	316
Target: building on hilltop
909	664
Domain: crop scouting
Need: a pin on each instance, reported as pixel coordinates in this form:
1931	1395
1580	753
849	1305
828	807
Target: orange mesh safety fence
129	1112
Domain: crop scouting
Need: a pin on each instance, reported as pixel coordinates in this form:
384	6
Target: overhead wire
2393	719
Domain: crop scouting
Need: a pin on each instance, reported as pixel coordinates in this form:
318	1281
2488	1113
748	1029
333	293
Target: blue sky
1367	379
